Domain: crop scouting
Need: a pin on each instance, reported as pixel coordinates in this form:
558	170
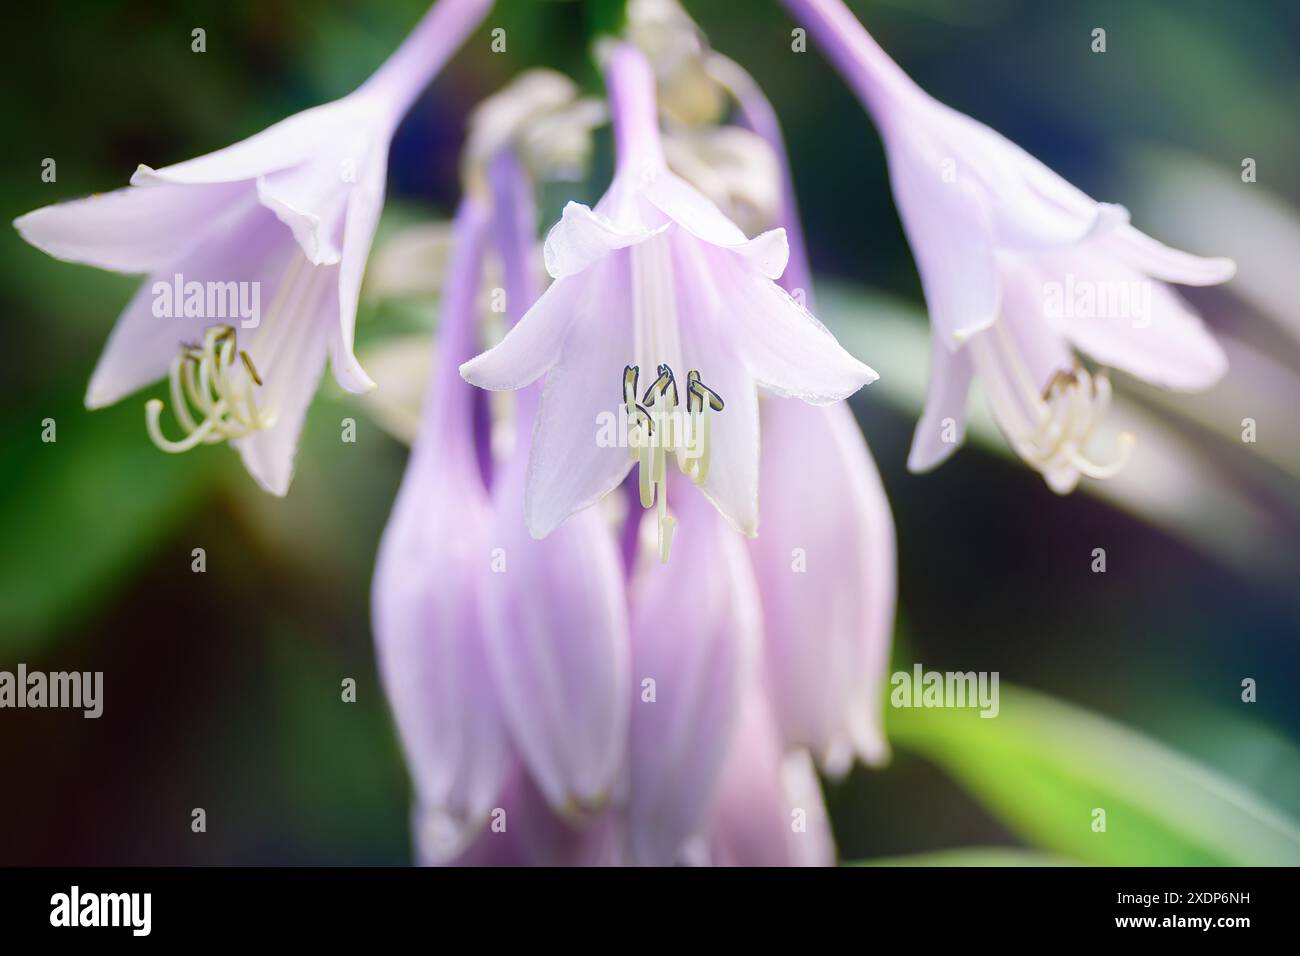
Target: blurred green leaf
83	512
1042	766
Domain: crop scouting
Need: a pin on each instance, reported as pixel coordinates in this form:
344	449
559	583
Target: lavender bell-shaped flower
428	634
554	610
826	558
1020	269
659	296
525	831
826	571
255	255
769	809
696	624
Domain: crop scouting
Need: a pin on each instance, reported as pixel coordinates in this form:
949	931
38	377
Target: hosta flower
662	323
696	624
428	632
827	581
525	831
826	567
554	610
1019	270
769	809
255	255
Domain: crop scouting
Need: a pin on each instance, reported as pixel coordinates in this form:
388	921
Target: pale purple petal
943	423
428	632
556	627
568	469
769	809
785	349
583	237
365	204
291	374
532	347
695	620
136	229
766	254
951	234
825	563
1140	252
293	140
142	344
1136	324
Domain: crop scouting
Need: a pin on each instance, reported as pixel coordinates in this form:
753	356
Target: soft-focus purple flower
826	558
284	218
768	810
695	627
1020	269
825	567
525	831
651	285
428	634
554	610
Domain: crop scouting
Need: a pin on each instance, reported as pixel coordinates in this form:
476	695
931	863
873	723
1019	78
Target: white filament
1048	429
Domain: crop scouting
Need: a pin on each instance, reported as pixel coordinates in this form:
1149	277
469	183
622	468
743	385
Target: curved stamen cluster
1050	429
212	397
687	437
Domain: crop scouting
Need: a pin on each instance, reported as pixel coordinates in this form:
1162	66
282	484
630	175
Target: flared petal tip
350	376
270	467
39	229
540	525
1219	269
98	396
477	371
310	231
146	176
964	333
927	455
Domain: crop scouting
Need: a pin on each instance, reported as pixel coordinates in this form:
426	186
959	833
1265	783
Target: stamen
204	379
1051	429
213	399
651	448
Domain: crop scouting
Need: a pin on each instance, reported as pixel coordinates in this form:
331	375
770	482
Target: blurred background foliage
222	689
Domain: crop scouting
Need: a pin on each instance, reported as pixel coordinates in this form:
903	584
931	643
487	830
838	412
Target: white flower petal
136	229
1159	337
290	362
767	253
1030	205
365	204
946	399
567	469
584	236
1144	254
142	345
951	233
289	142
533	346
786	350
